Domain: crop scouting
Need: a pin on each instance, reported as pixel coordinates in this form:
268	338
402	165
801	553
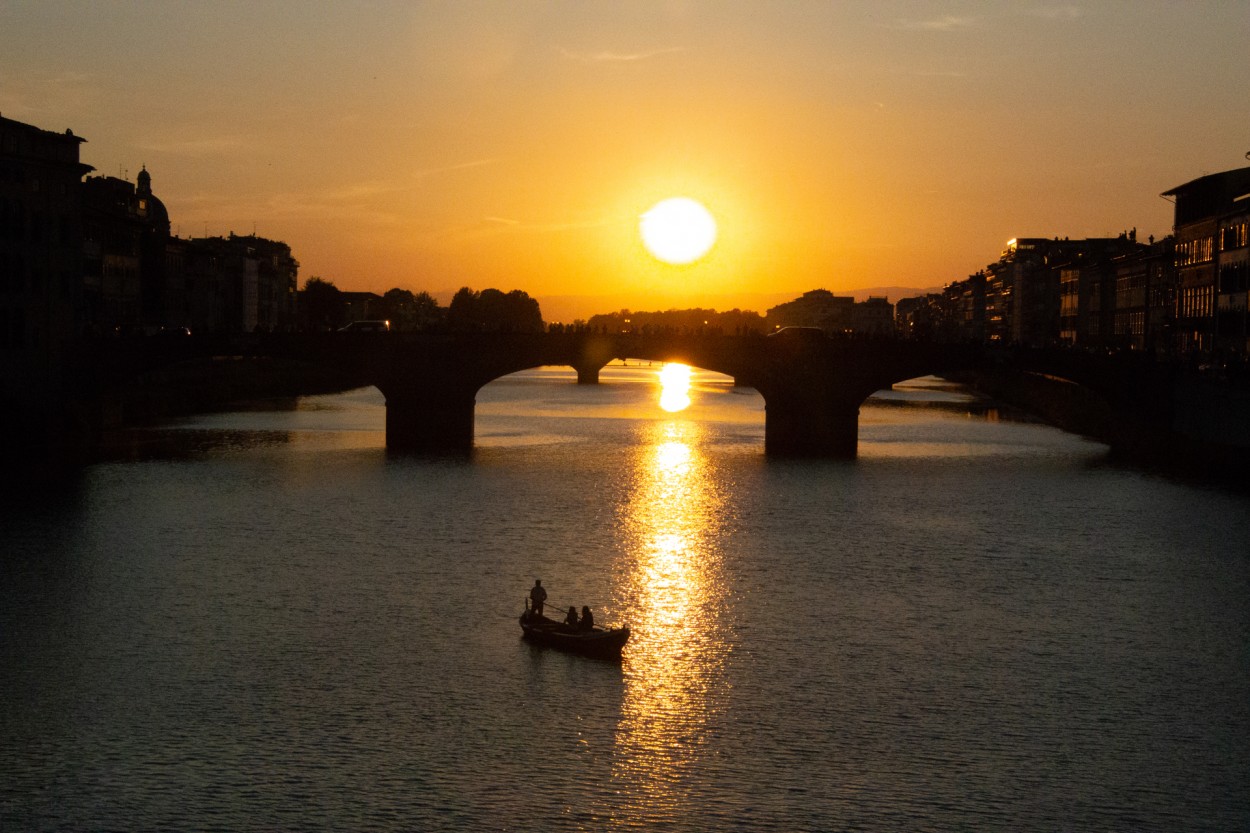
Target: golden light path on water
676	593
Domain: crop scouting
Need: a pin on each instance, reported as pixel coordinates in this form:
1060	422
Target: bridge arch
812	389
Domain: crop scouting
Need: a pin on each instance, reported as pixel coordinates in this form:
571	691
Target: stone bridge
812	386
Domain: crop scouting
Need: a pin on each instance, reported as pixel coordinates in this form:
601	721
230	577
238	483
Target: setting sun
678	230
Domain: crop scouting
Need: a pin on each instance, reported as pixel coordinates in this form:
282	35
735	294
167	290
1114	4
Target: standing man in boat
537	596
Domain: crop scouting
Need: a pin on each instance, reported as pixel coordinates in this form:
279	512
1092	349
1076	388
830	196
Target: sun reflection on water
675	387
676	597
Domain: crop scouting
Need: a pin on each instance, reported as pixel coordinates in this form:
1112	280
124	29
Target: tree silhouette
408	311
321	305
426	312
494	311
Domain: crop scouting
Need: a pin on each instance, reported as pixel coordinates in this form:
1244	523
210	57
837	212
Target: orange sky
515	144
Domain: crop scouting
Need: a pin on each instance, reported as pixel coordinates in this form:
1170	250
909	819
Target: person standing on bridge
538	595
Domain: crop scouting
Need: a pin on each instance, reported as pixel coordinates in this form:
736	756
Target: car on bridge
799	334
367	327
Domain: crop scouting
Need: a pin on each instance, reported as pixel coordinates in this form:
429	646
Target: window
1194	251
1233	277
1234	236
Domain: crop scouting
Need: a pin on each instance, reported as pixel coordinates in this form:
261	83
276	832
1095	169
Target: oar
546	605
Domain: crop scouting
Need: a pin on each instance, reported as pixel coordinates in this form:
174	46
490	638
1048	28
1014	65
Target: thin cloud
946	23
608	57
38	97
353	193
458	166
207	146
546	228
359	197
1058	12
354	202
492	225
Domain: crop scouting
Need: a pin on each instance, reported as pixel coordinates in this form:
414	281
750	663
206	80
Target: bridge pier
809	426
588	373
592	355
424	424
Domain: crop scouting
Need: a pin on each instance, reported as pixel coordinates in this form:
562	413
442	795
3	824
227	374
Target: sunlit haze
430	146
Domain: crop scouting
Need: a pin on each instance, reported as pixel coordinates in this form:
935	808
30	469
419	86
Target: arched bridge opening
812	388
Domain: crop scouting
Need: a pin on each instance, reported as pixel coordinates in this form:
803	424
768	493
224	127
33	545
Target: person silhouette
588	621
571	618
537	596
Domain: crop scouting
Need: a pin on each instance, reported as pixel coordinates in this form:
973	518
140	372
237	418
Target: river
259	620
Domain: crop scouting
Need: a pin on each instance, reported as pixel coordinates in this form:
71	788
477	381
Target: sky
839	145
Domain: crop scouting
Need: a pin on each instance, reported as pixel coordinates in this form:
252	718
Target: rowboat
604	643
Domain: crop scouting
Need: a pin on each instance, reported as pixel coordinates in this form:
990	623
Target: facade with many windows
1210	229
1232	282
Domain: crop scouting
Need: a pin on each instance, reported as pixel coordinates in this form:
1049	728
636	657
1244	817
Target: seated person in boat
587	622
571	619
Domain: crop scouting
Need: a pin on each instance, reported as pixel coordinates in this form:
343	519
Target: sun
678	230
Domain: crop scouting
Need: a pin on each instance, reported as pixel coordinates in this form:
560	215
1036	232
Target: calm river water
259	621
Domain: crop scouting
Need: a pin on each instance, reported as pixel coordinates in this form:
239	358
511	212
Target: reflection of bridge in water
812	386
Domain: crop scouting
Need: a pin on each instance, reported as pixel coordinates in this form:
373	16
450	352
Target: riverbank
234	383
46	443
1203	431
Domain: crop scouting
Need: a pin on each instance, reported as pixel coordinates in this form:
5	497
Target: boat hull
599	642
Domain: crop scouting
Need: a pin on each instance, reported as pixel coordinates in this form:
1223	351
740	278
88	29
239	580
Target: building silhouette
1183	296
126	281
139	279
96	258
1212	218
835	314
234	284
41	283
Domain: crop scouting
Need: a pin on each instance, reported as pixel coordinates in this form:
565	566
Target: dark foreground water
265	623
